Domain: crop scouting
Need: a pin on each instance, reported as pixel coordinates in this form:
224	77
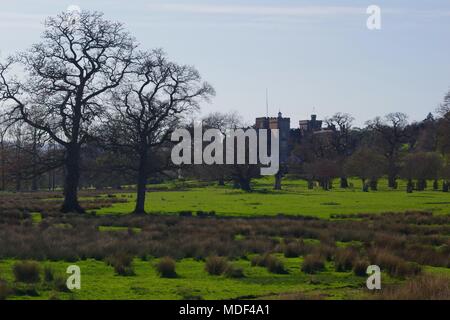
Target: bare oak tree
149	105
222	122
61	83
342	142
390	135
444	109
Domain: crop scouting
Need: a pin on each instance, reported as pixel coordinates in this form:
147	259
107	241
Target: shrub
394	265
216	265
27	271
257	245
326	251
203	214
360	268
122	264
272	263
426	287
313	263
144	257
166	267
344	259
260	260
275	265
293	249
48	274
406	269
124	270
256	261
59	284
185	213
53	296
234	272
5	291
25	289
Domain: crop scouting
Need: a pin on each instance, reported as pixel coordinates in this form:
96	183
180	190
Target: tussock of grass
234	272
272	263
312	264
216	265
122	263
394	265
166	268
5	290
27	271
360	268
344	259
426	287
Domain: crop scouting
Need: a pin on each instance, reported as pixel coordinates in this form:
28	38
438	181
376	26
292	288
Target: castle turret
307	126
284	127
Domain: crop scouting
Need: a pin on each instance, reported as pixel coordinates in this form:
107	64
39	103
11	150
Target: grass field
31	228
100	282
294	199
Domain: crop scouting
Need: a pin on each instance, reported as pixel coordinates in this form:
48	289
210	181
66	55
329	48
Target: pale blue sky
308	53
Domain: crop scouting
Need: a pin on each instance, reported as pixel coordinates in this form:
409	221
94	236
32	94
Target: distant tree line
389	146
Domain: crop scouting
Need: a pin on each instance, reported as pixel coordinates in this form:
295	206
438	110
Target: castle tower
309	126
284	127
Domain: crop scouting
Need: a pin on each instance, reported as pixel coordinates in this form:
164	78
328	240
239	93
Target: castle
284	127
286	134
308	126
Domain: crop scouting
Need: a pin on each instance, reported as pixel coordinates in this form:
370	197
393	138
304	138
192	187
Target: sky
311	55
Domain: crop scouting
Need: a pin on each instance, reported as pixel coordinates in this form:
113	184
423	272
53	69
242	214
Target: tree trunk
49	181
374	184
344	183
278	178
141	183
435	185
71	180
54	172
421	184
34	180
409	186
18	182
392	181
34	184
3	163
365	186
245	184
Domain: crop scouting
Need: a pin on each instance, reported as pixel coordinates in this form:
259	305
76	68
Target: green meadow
294	199
100	282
